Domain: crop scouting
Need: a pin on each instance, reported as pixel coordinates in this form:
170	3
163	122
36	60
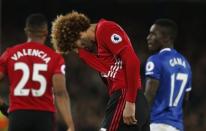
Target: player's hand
1	101
129	113
71	128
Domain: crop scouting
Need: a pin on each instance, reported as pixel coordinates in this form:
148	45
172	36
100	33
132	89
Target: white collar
165	49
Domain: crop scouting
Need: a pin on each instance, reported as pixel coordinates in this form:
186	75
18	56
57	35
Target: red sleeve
3	61
92	60
60	65
113	37
132	65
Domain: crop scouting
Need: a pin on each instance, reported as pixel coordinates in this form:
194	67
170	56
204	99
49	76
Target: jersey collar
165	49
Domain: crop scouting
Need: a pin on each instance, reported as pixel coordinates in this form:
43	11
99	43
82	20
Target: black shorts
29	120
113	120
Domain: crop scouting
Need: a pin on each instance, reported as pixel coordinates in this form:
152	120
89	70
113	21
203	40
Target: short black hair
35	23
169	25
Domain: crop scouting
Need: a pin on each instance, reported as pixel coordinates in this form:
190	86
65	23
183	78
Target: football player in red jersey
36	74
127	109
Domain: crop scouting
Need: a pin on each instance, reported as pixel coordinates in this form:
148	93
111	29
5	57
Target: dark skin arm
151	89
63	100
1	76
3	106
186	102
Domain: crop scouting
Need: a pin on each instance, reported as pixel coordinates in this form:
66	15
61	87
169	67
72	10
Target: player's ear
166	39
26	30
46	32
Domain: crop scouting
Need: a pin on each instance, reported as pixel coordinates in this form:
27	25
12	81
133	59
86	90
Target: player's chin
150	47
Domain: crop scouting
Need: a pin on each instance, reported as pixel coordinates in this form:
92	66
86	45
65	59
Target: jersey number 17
174	78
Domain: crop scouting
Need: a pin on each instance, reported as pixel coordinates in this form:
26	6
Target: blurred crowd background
87	91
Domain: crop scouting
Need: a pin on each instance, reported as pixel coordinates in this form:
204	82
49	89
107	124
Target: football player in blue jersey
168	78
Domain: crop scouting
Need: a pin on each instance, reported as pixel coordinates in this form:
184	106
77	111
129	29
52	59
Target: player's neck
36	40
168	46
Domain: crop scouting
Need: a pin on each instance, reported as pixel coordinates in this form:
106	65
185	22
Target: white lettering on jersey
113	69
177	61
116	38
31	52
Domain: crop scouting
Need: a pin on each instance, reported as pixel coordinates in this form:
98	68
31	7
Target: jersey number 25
20	88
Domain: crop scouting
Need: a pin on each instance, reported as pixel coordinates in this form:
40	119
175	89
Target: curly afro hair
66	30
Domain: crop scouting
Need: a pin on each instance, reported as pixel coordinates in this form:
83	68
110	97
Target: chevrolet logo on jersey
116	38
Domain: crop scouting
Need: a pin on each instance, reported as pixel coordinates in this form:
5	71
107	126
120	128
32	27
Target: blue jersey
173	72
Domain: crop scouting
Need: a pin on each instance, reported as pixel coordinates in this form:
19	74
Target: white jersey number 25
20	89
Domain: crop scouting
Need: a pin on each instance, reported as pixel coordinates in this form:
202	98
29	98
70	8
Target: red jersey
30	67
117	55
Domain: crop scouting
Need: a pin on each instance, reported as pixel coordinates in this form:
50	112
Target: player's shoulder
181	55
20	46
35	45
13	48
48	49
107	24
153	57
152	64
153	61
51	52
41	47
184	58
178	54
166	54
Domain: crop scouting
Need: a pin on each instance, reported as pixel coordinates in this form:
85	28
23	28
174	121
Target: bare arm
151	89
4	107
62	100
186	102
1	76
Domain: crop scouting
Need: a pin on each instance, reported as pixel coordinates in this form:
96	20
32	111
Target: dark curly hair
66	30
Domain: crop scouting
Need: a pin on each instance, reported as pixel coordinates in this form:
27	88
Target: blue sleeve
152	68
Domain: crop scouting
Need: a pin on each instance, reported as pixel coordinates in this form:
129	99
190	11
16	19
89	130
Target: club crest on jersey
103	129
149	66
116	38
63	69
